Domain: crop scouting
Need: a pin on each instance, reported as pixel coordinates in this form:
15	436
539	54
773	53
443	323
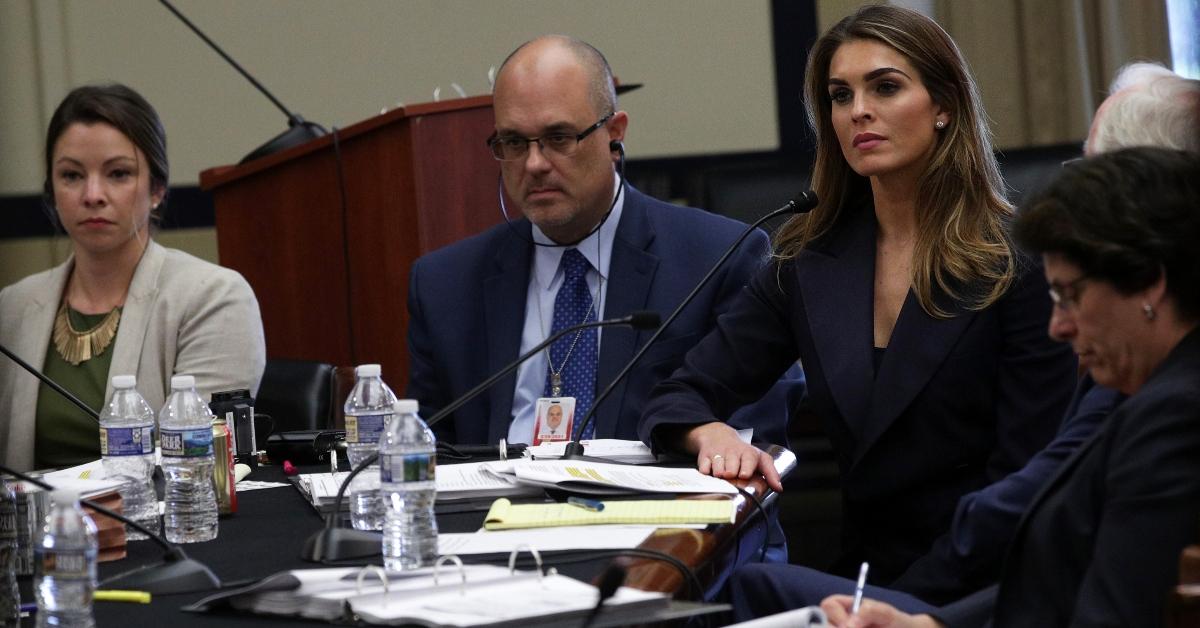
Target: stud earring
1148	310
939	125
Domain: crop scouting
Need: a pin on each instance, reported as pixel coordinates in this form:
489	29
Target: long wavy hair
962	246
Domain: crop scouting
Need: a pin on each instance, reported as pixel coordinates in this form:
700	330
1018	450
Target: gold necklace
80	346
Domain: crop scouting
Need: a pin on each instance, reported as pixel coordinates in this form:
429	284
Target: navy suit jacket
969	556
1100	544
957	404
466	306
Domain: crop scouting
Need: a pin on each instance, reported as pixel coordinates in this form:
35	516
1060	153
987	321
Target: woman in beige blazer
120	300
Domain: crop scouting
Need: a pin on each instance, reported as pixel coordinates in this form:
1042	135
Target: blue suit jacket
467	309
1100	544
957	404
968	557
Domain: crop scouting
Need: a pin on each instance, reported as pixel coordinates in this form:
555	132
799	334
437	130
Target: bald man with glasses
587	246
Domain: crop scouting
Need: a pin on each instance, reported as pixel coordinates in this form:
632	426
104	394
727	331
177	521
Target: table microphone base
336	544
177	574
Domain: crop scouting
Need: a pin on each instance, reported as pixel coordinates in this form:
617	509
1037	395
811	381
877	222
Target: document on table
469	480
613	479
544	539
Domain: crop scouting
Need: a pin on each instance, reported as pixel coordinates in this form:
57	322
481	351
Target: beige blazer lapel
37	316
135	319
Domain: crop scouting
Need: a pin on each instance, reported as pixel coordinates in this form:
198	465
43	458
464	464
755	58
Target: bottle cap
368	370
183	382
124	381
407	406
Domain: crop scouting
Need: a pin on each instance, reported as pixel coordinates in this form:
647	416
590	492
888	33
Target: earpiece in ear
617	146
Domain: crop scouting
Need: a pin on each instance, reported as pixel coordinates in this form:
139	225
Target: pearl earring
939	125
1148	310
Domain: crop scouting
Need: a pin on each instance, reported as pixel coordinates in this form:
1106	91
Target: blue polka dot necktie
573	357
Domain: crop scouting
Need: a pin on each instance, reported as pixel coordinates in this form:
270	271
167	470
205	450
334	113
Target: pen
593	505
139	597
858	588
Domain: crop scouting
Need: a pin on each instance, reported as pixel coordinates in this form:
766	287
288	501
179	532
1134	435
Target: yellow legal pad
504	515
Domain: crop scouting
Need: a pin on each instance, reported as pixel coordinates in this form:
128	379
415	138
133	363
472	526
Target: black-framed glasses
562	144
1066	295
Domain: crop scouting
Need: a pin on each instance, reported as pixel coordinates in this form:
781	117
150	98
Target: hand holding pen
844	611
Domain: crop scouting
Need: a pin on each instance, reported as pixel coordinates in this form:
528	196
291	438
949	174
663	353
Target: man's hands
720	453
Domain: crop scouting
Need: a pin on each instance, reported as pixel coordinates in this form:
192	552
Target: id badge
555	417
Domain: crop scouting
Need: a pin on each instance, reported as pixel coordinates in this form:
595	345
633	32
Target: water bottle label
365	428
407	467
195	443
126	441
64	563
8	522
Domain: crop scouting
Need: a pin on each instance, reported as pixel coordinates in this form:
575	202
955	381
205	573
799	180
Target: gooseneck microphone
334	543
176	574
799	205
299	129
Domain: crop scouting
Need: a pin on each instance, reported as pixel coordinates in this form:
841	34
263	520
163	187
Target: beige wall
706	65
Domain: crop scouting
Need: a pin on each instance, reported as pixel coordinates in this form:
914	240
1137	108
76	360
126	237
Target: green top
65	436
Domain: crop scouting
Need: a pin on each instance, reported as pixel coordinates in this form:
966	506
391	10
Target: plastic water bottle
127	445
368	409
407	462
65	553
10	597
187	459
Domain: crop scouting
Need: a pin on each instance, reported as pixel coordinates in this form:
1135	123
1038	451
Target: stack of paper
613	479
455	482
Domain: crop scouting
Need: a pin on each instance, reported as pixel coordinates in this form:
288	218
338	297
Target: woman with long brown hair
920	329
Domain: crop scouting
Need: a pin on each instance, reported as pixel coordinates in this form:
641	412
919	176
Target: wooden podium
330	264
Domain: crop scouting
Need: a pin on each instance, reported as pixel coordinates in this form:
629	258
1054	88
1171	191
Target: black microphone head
611	580
804	202
645	319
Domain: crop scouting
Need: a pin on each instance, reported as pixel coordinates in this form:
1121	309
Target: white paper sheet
544	539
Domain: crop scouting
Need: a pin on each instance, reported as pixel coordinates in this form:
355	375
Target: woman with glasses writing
920	329
1100	544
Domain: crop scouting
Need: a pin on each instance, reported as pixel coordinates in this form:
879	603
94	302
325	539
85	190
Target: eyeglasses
1066	295
513	147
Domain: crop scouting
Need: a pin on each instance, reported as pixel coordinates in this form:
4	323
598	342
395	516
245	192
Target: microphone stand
574	449
176	574
299	130
335	543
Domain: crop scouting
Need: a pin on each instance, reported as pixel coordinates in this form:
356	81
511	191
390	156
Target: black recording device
305	446
237	408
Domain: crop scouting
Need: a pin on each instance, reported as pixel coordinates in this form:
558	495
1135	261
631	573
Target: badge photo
555	416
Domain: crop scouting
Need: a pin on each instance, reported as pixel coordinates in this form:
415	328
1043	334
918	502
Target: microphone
176	574
51	383
611	580
299	130
802	204
334	543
